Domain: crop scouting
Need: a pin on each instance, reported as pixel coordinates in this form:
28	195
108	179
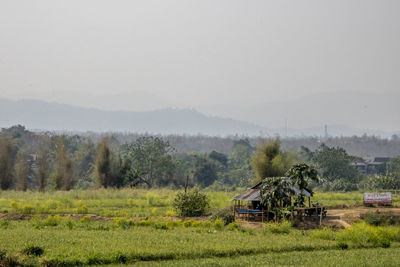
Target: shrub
69	222
188	223
26	209
376	218
33	251
85	220
283	227
191	203
218	224
170	213
81	210
324	233
342	245
123	223
225	214
365	235
52	220
234	226
4	224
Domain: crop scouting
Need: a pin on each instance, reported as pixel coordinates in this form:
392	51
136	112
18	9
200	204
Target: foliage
300	175
7	151
22	170
204	171
149	158
43	170
335	167
283	227
64	169
364	235
33	251
226	214
191	203
378	218
271	161
103	164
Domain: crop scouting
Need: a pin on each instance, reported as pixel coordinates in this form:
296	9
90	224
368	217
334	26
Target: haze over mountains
36	114
344	113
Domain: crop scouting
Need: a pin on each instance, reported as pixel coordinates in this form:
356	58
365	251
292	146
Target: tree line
44	161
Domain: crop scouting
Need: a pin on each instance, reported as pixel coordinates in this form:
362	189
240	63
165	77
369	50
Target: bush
191	203
4	224
234	226
324	234
52	220
33	251
365	235
218	224
225	214
283	227
377	219
342	245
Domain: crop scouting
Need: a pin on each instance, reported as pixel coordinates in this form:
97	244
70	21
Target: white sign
377	198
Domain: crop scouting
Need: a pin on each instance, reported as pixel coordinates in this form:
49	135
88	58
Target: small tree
103	164
7	150
22	171
64	170
274	193
271	161
300	175
43	165
191	203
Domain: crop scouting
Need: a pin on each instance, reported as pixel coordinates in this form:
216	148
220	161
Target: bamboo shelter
248	205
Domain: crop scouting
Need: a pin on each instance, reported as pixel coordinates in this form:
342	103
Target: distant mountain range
41	115
35	114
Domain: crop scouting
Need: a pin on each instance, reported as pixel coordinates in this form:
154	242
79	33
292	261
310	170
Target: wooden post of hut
262	214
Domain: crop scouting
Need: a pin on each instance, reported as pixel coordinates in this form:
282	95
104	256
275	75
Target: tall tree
22	170
64	171
204	170
151	158
271	161
103	164
84	161
6	162
43	166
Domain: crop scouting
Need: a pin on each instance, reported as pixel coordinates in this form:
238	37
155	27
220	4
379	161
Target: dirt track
343	217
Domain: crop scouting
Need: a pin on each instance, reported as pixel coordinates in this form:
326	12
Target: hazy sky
196	53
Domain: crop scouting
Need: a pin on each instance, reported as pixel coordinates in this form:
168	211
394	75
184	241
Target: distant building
375	165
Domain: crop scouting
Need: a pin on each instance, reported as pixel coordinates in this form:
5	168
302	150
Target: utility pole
286	127
326	131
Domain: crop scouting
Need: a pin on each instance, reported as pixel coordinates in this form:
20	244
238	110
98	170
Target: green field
68	242
132	202
138	230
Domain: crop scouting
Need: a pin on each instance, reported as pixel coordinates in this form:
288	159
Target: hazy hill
36	114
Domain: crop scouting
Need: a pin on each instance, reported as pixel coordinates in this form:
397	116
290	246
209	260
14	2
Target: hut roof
253	194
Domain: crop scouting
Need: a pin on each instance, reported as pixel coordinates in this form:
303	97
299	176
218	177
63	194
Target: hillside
35	114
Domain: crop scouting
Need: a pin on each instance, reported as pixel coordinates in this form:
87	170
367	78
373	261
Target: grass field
139	230
132	202
67	242
107	203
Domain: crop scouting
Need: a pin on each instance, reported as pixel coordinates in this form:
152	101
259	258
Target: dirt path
354	214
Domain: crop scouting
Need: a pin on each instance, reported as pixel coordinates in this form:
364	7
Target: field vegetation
58	241
134	202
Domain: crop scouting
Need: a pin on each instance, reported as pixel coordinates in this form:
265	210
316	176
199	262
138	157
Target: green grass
102	202
71	242
356	257
133	202
87	243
